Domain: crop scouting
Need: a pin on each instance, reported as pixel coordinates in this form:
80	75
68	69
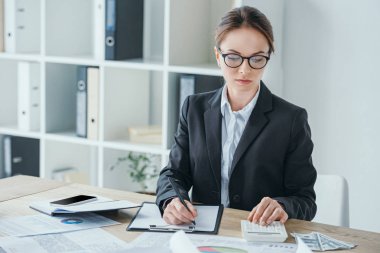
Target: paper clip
171	229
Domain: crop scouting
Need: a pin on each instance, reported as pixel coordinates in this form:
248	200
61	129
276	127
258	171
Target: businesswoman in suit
241	145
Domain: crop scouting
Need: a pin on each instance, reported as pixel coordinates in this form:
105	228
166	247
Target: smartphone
75	200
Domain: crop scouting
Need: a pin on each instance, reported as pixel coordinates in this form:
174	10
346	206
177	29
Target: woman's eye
233	57
256	59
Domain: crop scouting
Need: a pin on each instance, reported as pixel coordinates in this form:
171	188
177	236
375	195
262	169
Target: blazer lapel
213	130
256	123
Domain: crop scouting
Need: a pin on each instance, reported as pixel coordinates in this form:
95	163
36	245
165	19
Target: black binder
81	108
21	156
124	29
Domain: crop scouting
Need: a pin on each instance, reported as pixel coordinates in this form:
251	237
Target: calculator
252	232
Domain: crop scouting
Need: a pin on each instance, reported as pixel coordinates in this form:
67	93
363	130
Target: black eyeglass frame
243	58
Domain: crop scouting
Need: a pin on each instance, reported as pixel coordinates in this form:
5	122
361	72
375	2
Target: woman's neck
239	98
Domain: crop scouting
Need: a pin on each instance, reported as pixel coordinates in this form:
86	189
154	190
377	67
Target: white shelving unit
178	39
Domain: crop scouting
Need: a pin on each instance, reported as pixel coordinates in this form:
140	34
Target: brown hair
245	16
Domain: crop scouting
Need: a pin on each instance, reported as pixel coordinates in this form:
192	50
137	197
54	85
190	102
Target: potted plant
141	168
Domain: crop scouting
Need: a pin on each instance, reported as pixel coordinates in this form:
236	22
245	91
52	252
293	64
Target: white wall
331	60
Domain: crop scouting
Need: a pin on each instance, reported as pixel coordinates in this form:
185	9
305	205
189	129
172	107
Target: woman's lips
243	81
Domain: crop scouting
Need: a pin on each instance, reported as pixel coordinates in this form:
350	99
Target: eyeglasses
235	60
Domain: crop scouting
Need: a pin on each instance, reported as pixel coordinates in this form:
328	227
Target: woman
241	145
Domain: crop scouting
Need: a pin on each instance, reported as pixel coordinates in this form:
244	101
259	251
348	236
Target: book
101	204
124	29
28	86
145	134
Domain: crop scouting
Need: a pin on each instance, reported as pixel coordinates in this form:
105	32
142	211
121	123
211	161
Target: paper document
149	218
102	204
43	224
91	240
209	243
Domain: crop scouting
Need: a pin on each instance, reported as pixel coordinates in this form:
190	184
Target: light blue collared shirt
233	124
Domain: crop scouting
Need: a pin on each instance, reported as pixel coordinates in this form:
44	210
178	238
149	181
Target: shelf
199	69
13	130
69	27
195	45
81	158
131	146
177	40
131	98
21	57
70	137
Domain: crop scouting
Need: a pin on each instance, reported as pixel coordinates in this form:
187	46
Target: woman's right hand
176	213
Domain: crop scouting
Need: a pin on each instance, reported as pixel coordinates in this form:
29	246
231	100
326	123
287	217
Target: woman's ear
217	56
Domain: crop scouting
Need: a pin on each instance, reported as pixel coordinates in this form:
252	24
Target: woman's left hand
267	211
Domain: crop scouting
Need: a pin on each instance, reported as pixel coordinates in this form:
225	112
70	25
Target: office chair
332	200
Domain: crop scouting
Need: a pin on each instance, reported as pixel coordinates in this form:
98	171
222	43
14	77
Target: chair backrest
332	200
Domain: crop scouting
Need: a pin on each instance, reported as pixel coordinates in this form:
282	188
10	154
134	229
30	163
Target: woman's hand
267	211
176	213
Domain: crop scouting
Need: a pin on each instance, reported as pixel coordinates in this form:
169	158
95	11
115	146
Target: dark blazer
273	157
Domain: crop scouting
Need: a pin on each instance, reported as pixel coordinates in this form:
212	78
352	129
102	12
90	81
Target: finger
276	215
267	213
182	210
284	218
251	214
174	209
193	210
170	218
261	208
179	217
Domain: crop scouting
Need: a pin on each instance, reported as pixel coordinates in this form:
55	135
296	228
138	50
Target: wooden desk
41	189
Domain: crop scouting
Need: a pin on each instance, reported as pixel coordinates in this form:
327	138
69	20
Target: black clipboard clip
166	228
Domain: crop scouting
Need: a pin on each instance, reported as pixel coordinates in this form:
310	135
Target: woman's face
244	41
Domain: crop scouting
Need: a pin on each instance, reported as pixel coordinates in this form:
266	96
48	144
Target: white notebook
102	204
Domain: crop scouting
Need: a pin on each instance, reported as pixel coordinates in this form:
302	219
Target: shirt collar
245	111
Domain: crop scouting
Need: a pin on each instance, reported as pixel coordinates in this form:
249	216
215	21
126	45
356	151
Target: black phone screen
71	200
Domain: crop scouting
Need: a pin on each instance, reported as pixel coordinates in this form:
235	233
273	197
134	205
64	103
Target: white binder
92	103
28	82
10	25
2	11
22	24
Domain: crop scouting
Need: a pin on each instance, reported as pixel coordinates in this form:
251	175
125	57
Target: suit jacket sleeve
179	163
299	172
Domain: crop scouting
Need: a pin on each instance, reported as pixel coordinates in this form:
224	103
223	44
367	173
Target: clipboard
148	218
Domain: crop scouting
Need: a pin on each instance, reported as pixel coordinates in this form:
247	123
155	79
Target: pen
171	180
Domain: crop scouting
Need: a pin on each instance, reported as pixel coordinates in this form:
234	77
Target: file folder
92	103
124	29
81	119
28	82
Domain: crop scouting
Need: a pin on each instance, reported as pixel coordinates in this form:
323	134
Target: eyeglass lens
234	61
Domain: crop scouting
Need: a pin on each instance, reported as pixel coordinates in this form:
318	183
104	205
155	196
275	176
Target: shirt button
236	198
